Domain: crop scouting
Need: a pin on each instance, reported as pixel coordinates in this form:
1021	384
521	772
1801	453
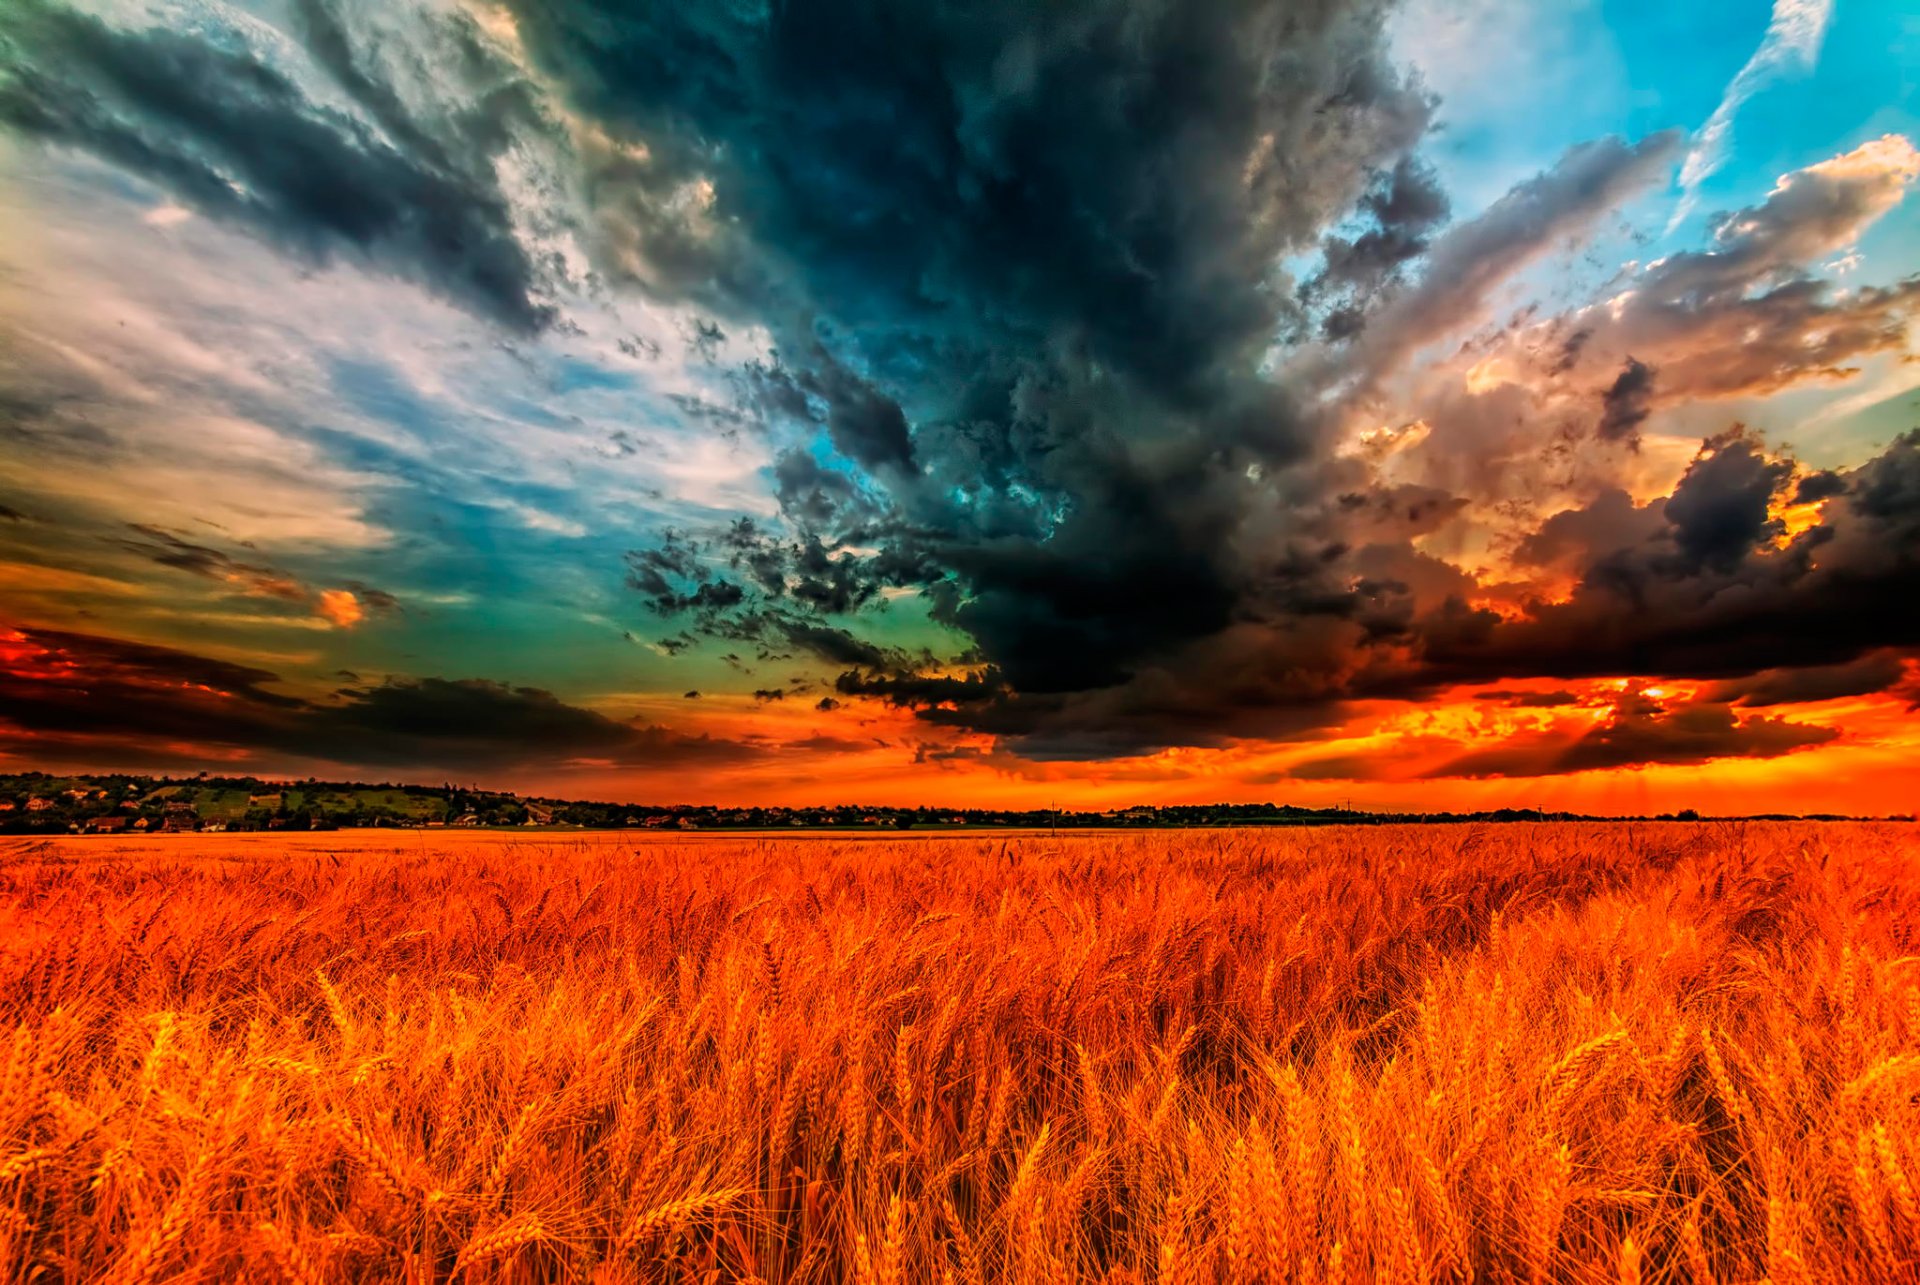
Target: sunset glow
647	406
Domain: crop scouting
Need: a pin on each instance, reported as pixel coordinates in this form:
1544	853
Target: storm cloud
1642	733
227	133
1021	265
66	689
1091	337
1718	589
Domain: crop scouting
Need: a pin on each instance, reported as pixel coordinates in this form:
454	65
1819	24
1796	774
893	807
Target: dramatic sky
1444	404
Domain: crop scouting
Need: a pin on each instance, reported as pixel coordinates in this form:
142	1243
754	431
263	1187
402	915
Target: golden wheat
1582	1053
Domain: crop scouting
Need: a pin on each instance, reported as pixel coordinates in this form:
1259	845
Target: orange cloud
341	607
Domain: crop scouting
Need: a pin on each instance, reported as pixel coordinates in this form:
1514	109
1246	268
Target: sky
1449	404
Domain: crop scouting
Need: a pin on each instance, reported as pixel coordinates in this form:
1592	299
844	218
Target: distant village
42	804
121	804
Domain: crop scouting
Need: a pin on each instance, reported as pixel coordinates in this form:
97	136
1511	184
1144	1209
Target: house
7	805
178	806
107	825
141	824
467	820
214	827
39	805
537	815
178	823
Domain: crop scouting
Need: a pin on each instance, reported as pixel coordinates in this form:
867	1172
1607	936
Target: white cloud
1791	43
166	216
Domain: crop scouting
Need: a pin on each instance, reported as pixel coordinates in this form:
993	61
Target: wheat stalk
504	1241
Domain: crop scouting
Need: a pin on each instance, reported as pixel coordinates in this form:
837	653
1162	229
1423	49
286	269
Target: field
1526	1053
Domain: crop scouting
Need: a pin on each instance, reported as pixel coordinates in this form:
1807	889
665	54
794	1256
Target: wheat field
1524	1053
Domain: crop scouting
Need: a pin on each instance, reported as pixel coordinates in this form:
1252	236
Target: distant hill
42	803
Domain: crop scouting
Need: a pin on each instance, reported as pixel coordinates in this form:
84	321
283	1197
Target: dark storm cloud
773	577
1405	207
1642	733
837	646
1340	767
236	139
1021	266
1576	538
1022	269
813	497
1112	174
68	686
1720	511
1876	672
1718	591
61	666
1817	486
1529	700
864	424
919	690
476	722
1139	559
1626	403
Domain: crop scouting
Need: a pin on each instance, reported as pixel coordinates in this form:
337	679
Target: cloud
1471	260
1874	672
340	607
1056	175
1405	207
170	549
1627	403
1530	700
1719	590
1791	43
235	138
126	698
1001	308
481	723
1508	421
1641	733
1744	317
1574	539
1055	286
